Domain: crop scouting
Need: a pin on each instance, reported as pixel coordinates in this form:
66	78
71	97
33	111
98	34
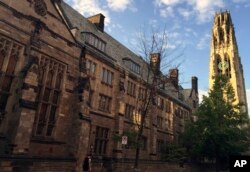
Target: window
129	111
142	94
101	140
107	76
160	145
94	41
218	64
194	104
50	77
160	102
144	143
9	54
227	66
134	67
91	67
168	106
131	89
159	122
104	103
186	115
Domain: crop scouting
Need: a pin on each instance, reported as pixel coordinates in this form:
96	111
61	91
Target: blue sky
188	24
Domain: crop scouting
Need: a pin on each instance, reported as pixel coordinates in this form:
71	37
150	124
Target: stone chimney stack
98	20
174	77
195	83
155	61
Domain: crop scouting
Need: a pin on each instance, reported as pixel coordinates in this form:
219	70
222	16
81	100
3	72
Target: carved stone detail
40	7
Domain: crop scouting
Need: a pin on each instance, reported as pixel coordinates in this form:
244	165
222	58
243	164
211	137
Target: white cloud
167	2
201	94
120	5
203	9
167	12
204	42
89	8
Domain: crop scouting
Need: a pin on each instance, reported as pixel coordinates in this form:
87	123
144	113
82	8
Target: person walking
87	164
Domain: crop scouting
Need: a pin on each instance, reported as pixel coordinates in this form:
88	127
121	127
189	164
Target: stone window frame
134	67
107	76
218	60
10	52
94	41
142	93
228	72
131	89
104	103
160	102
160	144
101	140
168	106
91	67
159	121
50	86
129	111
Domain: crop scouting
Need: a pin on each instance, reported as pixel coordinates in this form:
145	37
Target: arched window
218	64
9	54
227	66
50	79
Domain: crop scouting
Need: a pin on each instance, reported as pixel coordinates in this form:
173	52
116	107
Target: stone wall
151	166
31	164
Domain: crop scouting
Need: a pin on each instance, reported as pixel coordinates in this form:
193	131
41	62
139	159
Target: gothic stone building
67	87
224	56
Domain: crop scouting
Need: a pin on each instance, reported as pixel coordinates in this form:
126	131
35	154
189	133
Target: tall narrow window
227	66
131	89
91	67
142	93
50	78
168	106
159	122
219	64
107	76
129	111
104	103
101	140
9	54
160	103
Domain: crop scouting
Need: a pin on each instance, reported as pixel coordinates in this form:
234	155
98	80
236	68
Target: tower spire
224	56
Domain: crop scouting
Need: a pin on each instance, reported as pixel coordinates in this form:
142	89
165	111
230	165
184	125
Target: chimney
195	83
98	20
174	77
155	61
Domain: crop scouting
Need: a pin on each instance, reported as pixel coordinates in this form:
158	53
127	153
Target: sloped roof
114	49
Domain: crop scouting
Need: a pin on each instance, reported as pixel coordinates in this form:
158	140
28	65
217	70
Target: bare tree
154	43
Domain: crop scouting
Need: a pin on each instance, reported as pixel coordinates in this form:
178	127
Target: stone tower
224	56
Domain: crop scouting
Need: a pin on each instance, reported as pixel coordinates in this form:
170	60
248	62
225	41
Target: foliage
173	153
221	128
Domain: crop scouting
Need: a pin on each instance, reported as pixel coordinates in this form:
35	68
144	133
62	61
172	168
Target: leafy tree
221	128
173	153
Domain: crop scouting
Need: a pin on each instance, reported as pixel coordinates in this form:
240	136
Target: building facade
224	56
67	88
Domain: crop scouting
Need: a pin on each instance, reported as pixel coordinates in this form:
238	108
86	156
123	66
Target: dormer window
93	40
133	66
